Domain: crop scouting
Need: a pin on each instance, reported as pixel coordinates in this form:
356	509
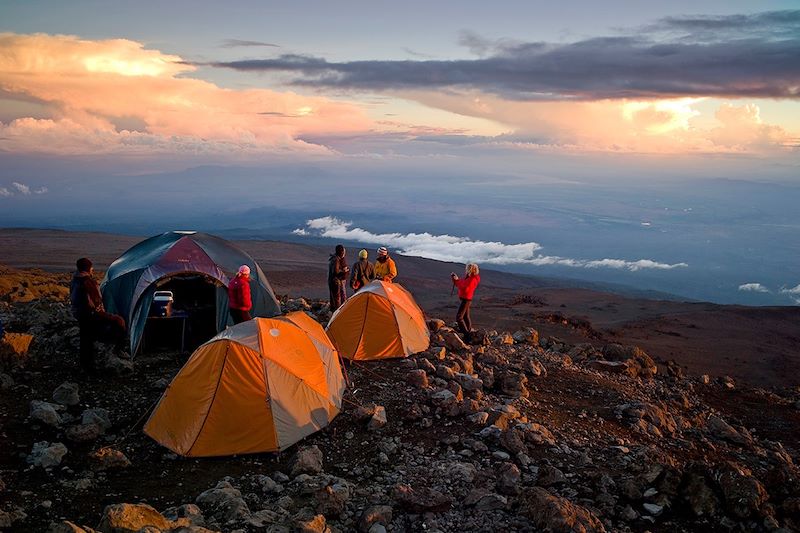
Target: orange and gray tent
131	280
380	321
259	386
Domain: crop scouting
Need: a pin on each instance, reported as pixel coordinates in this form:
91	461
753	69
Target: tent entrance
194	313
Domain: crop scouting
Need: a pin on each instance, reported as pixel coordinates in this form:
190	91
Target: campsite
545	424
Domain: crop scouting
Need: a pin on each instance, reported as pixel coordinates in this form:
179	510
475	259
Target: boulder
513	384
550	476
108	459
526	336
117	366
435	324
97	416
418	378
724	431
308	522
504	339
378	419
332	499
452	341
187	513
308	460
83	432
67	394
375	514
485	500
14	349
744	494
557	514
443	399
468	382
647	418
699	495
422	500
639	363
130	518
508	478
45	412
67	527
47	455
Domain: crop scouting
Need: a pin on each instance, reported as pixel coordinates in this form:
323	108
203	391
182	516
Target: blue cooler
162	304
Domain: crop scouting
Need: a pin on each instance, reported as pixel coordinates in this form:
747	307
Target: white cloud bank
464	249
793	290
753	287
5	193
20	188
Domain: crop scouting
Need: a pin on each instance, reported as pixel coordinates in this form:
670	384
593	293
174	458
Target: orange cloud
117	96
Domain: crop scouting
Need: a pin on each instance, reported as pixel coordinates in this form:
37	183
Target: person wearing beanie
363	272
94	323
466	290
385	269
239	302
337	276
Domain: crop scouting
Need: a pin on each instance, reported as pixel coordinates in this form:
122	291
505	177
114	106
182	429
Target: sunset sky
192	81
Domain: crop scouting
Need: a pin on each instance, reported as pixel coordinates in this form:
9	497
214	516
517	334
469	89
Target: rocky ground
514	433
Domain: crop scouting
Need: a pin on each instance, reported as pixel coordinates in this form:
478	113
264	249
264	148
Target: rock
647	418
264	519
83	432
426	365
66	527
504	339
308	522
364	412
435	324
653	509
97	416
422	500
468	383
46	455
224	502
128	518
479	338
724	431
378	419
417	378
108	459
743	493
269	485
67	394
375	514
537	434
332	499
116	366
443	399
377	528
187	513
700	496
462	472
639	364
481	417
508	478
307	460
445	372
550	476
14	349
534	367
484	500
45	412
453	342
526	336
557	514
513	384
6	381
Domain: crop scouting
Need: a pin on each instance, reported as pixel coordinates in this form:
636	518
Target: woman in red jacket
239	301
466	289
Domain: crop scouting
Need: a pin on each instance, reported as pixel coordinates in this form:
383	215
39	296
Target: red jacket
239	294
466	286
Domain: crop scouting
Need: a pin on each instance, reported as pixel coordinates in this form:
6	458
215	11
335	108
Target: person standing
337	276
466	290
363	272
239	302
385	269
93	321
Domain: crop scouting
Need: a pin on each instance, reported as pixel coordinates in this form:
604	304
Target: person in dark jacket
337	276
94	322
362	272
239	301
466	290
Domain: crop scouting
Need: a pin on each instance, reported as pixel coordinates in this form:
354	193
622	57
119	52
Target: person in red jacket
239	301
466	290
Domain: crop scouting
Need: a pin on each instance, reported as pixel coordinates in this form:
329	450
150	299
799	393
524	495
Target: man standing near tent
93	321
363	271
385	269
337	276
239	302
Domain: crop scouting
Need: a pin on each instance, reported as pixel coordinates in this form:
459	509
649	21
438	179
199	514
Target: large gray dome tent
133	278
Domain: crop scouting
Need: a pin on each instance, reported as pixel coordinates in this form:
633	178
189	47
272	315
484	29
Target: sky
424	99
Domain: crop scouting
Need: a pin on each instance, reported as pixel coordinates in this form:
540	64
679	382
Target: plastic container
162	304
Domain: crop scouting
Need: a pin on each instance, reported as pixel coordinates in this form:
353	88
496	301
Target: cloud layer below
464	249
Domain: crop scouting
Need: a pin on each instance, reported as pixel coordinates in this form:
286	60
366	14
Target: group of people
362	273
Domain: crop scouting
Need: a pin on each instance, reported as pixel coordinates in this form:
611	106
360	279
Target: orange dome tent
380	321
259	386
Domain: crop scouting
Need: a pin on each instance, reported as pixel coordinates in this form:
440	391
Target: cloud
237	43
753	287
22	188
793	290
741	56
464	249
85	88
5	193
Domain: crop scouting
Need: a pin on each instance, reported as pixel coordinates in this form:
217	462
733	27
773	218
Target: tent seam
213	398
363	325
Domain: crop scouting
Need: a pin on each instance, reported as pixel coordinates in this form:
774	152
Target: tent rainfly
132	279
259	386
380	321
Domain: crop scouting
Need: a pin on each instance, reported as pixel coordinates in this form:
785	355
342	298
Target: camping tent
259	386
133	278
380	321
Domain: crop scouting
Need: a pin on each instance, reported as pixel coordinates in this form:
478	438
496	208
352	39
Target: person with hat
385	269
363	272
239	302
94	323
337	276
